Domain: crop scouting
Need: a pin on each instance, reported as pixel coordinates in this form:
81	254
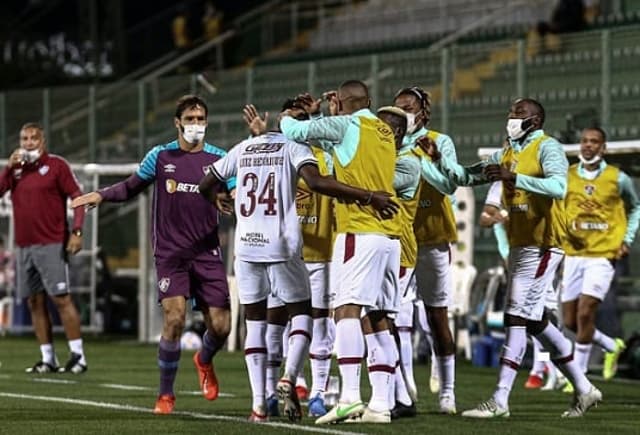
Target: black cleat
73	365
401	410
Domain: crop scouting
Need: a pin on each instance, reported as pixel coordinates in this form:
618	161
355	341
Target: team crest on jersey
164	284
589	189
43	170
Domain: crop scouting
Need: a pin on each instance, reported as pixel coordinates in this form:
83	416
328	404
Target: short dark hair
29	125
293	103
538	106
356	84
599	130
189	102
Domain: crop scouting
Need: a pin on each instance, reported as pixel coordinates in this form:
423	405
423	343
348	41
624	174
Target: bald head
353	96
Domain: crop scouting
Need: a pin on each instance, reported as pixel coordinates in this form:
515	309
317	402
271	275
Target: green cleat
610	366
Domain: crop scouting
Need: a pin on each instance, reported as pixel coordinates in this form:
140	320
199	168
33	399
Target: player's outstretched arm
380	201
88	200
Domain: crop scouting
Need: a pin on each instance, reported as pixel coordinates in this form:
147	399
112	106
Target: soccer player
40	184
268	246
185	243
407	185
435	229
533	171
603	211
366	253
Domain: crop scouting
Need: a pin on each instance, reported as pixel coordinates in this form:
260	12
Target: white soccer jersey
266	168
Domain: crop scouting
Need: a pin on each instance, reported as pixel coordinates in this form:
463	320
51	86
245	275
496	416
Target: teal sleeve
501	238
326	145
437	178
406	177
630	198
467	175
554	166
332	128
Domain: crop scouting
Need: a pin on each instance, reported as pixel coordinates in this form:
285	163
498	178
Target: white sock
560	348
446	366
537	367
406	358
285	339
515	345
604	341
320	355
401	393
581	354
48	354
299	339
350	350
75	346
380	364
255	356
274	357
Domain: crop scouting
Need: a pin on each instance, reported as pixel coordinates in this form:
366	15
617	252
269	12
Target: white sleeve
227	166
494	196
300	155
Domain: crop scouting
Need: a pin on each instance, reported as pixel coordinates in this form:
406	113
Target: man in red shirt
40	184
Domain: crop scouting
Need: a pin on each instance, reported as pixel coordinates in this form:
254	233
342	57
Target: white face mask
514	128
411	123
591	161
30	156
193	133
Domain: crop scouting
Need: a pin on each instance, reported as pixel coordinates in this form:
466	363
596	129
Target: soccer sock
581	355
285	340
299	339
380	364
447	374
604	341
274	356
560	348
168	359
320	355
401	394
406	357
515	345
75	346
537	367
209	348
48	354
255	356
350	350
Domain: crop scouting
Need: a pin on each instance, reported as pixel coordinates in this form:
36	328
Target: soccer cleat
534	381
287	393
371	416
487	409
568	388
610	366
316	407
302	392
73	365
256	417
165	404
342	411
207	378
401	410
582	403
272	406
447	404
42	367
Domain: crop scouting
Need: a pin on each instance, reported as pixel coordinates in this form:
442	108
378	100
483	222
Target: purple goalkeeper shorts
202	277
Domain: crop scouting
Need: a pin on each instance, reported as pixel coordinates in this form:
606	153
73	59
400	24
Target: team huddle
344	226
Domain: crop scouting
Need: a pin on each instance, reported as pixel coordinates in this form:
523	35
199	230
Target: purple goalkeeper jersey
184	223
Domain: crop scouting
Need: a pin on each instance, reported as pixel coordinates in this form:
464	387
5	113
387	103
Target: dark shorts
202	277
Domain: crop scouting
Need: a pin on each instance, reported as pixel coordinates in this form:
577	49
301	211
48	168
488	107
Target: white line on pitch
196	415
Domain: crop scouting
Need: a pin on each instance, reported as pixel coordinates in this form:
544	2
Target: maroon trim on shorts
404	329
563	360
403	272
349	246
544	263
449	251
507	362
349	360
382	368
252	350
319	357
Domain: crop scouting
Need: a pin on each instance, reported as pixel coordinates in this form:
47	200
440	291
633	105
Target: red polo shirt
39	193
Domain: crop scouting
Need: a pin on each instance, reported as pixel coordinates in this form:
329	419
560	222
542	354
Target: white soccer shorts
532	270
286	280
364	271
321	296
588	276
434	275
